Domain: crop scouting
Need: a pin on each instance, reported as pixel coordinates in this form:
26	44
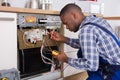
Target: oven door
30	62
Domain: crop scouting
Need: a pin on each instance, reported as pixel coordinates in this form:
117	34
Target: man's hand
62	57
57	37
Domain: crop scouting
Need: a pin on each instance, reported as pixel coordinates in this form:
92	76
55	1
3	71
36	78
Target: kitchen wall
17	3
112	8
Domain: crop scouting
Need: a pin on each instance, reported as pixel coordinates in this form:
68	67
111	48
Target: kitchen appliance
45	4
30	57
30	62
5	3
32	4
9	74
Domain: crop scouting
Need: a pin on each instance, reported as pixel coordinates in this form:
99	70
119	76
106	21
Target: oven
30	62
31	30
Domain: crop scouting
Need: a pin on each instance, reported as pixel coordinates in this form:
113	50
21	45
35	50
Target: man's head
72	16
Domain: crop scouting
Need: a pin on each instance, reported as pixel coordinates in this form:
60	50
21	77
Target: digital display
30	19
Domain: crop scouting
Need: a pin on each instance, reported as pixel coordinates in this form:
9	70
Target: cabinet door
8	40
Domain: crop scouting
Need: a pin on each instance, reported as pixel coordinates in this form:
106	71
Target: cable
48	46
45	43
43	57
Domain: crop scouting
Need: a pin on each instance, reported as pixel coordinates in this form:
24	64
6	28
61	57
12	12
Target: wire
48	46
43	57
45	43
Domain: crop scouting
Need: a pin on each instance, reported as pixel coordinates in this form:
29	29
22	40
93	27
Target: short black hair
69	7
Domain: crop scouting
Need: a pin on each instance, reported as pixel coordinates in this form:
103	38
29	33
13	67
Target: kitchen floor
79	76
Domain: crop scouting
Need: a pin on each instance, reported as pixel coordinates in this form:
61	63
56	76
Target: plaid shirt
94	42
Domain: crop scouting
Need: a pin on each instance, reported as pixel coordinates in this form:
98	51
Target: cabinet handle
6	19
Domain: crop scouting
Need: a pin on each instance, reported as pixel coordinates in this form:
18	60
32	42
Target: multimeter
54	52
4	79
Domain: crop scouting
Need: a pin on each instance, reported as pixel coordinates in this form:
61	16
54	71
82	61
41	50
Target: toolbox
9	74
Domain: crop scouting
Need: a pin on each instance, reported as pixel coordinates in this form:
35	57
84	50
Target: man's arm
73	43
90	60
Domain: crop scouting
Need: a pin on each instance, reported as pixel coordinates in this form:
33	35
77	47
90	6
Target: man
99	49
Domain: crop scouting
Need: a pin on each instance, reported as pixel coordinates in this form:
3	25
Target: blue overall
105	71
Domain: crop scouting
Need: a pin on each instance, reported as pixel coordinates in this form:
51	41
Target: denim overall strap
102	27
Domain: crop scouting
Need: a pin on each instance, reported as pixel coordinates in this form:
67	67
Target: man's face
70	22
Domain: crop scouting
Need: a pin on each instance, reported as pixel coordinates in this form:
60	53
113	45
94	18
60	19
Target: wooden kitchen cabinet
112	18
35	11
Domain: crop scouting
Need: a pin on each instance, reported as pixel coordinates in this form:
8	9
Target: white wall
17	3
58	4
112	8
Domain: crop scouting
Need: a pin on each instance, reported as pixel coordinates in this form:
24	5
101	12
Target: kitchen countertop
35	11
27	10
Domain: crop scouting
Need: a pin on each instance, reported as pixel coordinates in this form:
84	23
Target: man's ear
74	15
